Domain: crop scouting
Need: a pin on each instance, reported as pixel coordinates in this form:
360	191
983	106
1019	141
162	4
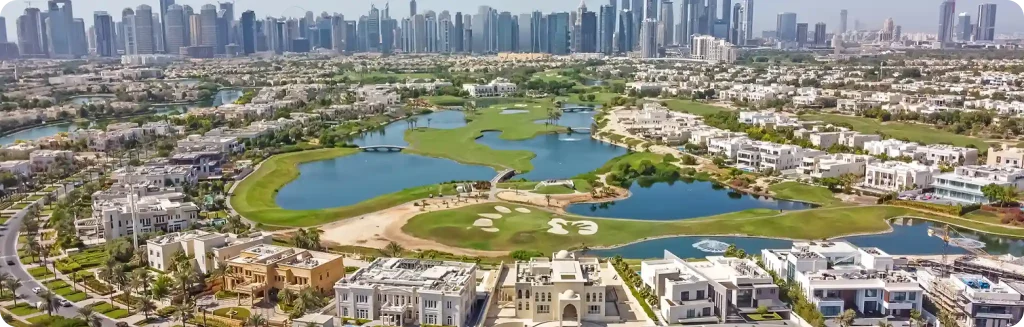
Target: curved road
9	251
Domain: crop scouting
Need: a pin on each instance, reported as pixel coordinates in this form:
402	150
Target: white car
37	290
65	303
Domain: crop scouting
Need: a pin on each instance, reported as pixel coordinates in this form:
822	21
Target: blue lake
680	200
394	133
909	237
95	98
558	155
38	132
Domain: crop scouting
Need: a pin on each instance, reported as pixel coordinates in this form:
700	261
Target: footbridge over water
382	148
577	109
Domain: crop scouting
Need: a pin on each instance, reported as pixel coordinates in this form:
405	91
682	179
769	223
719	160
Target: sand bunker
483	223
585	227
502	209
523	210
490	229
491	215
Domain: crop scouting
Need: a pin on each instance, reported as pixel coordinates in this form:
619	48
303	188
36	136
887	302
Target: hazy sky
913	15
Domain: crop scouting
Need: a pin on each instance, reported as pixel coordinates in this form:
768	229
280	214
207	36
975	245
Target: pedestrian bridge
577	109
382	148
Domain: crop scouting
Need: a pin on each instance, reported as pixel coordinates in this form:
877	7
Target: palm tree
161	288
846	318
85	312
547	197
393	249
256	320
313	237
915	318
13	284
884	323
140	279
4	276
185	311
95	321
146	305
47	300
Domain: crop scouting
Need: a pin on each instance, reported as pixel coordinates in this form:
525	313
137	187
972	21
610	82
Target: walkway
502	175
382	148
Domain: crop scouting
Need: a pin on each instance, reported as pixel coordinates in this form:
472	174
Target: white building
897	176
499	87
948	154
764	155
112	215
43	160
17	167
161	175
712	291
836	276
708	48
891	147
835	165
728	147
402	292
562	288
964	183
205	248
974	300
766	118
224	145
1006	156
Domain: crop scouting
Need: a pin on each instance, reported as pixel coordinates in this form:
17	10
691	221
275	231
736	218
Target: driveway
9	251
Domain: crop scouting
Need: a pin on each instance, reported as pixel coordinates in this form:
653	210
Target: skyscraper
30	33
650	9
412	8
693	20
666	24
606	32
249	32
208	26
964	29
888	30
128	31
637	8
947	11
174	28
986	28
143	27
58	20
625	37
373	30
525	37
820	37
558	33
79	40
187	13
843	15
801	34
505	32
785	26
3	30
737	25
164	5
649	39
459	33
588	31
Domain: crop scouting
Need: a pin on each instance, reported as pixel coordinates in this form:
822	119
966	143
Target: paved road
9	251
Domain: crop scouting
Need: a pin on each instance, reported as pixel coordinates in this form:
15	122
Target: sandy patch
502	209
586	227
520	105
523	210
557	226
490	229
483	223
491	215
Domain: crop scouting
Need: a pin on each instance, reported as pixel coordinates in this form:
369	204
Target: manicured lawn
19	206
240	313
40	272
22	309
117	314
692	107
518	185
460	144
445	100
254	197
519	230
921	133
77	296
599	98
803	192
555	189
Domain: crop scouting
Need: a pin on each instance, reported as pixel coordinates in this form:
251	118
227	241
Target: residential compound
974	300
1006	156
964	184
499	87
205	248
895	176
563	287
403	292
126	209
720	289
836	276
258	269
927	154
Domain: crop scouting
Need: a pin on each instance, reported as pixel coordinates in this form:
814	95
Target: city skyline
908	13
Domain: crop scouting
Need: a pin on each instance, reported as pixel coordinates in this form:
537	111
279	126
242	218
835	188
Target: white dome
563	254
569	293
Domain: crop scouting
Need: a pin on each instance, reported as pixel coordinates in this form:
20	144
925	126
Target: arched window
519	294
527	294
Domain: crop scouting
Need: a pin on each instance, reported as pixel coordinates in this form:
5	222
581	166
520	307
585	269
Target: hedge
957	210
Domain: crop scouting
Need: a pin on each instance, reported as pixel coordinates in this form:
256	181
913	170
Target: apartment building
727	147
43	160
1006	156
895	176
560	288
499	87
205	248
720	289
209	143
947	154
759	156
19	149
891	148
964	183
403	292
206	163
835	165
767	119
974	300
17	167
857	140
158	175
836	276
260	268
112	214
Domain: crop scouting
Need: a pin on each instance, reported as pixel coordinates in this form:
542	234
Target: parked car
65	303
10	262
37	290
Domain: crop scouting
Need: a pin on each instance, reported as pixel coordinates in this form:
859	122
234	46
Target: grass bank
254	197
804	193
518	230
693	107
460	144
921	133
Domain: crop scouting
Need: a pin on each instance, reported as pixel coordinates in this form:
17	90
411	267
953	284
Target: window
830	311
912	296
430	304
431	319
594	309
362	299
527	305
588	297
449	321
759	291
685	296
519	294
706	312
448	304
543	309
700	295
870	293
691	313
519	305
899	296
344	297
344	312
